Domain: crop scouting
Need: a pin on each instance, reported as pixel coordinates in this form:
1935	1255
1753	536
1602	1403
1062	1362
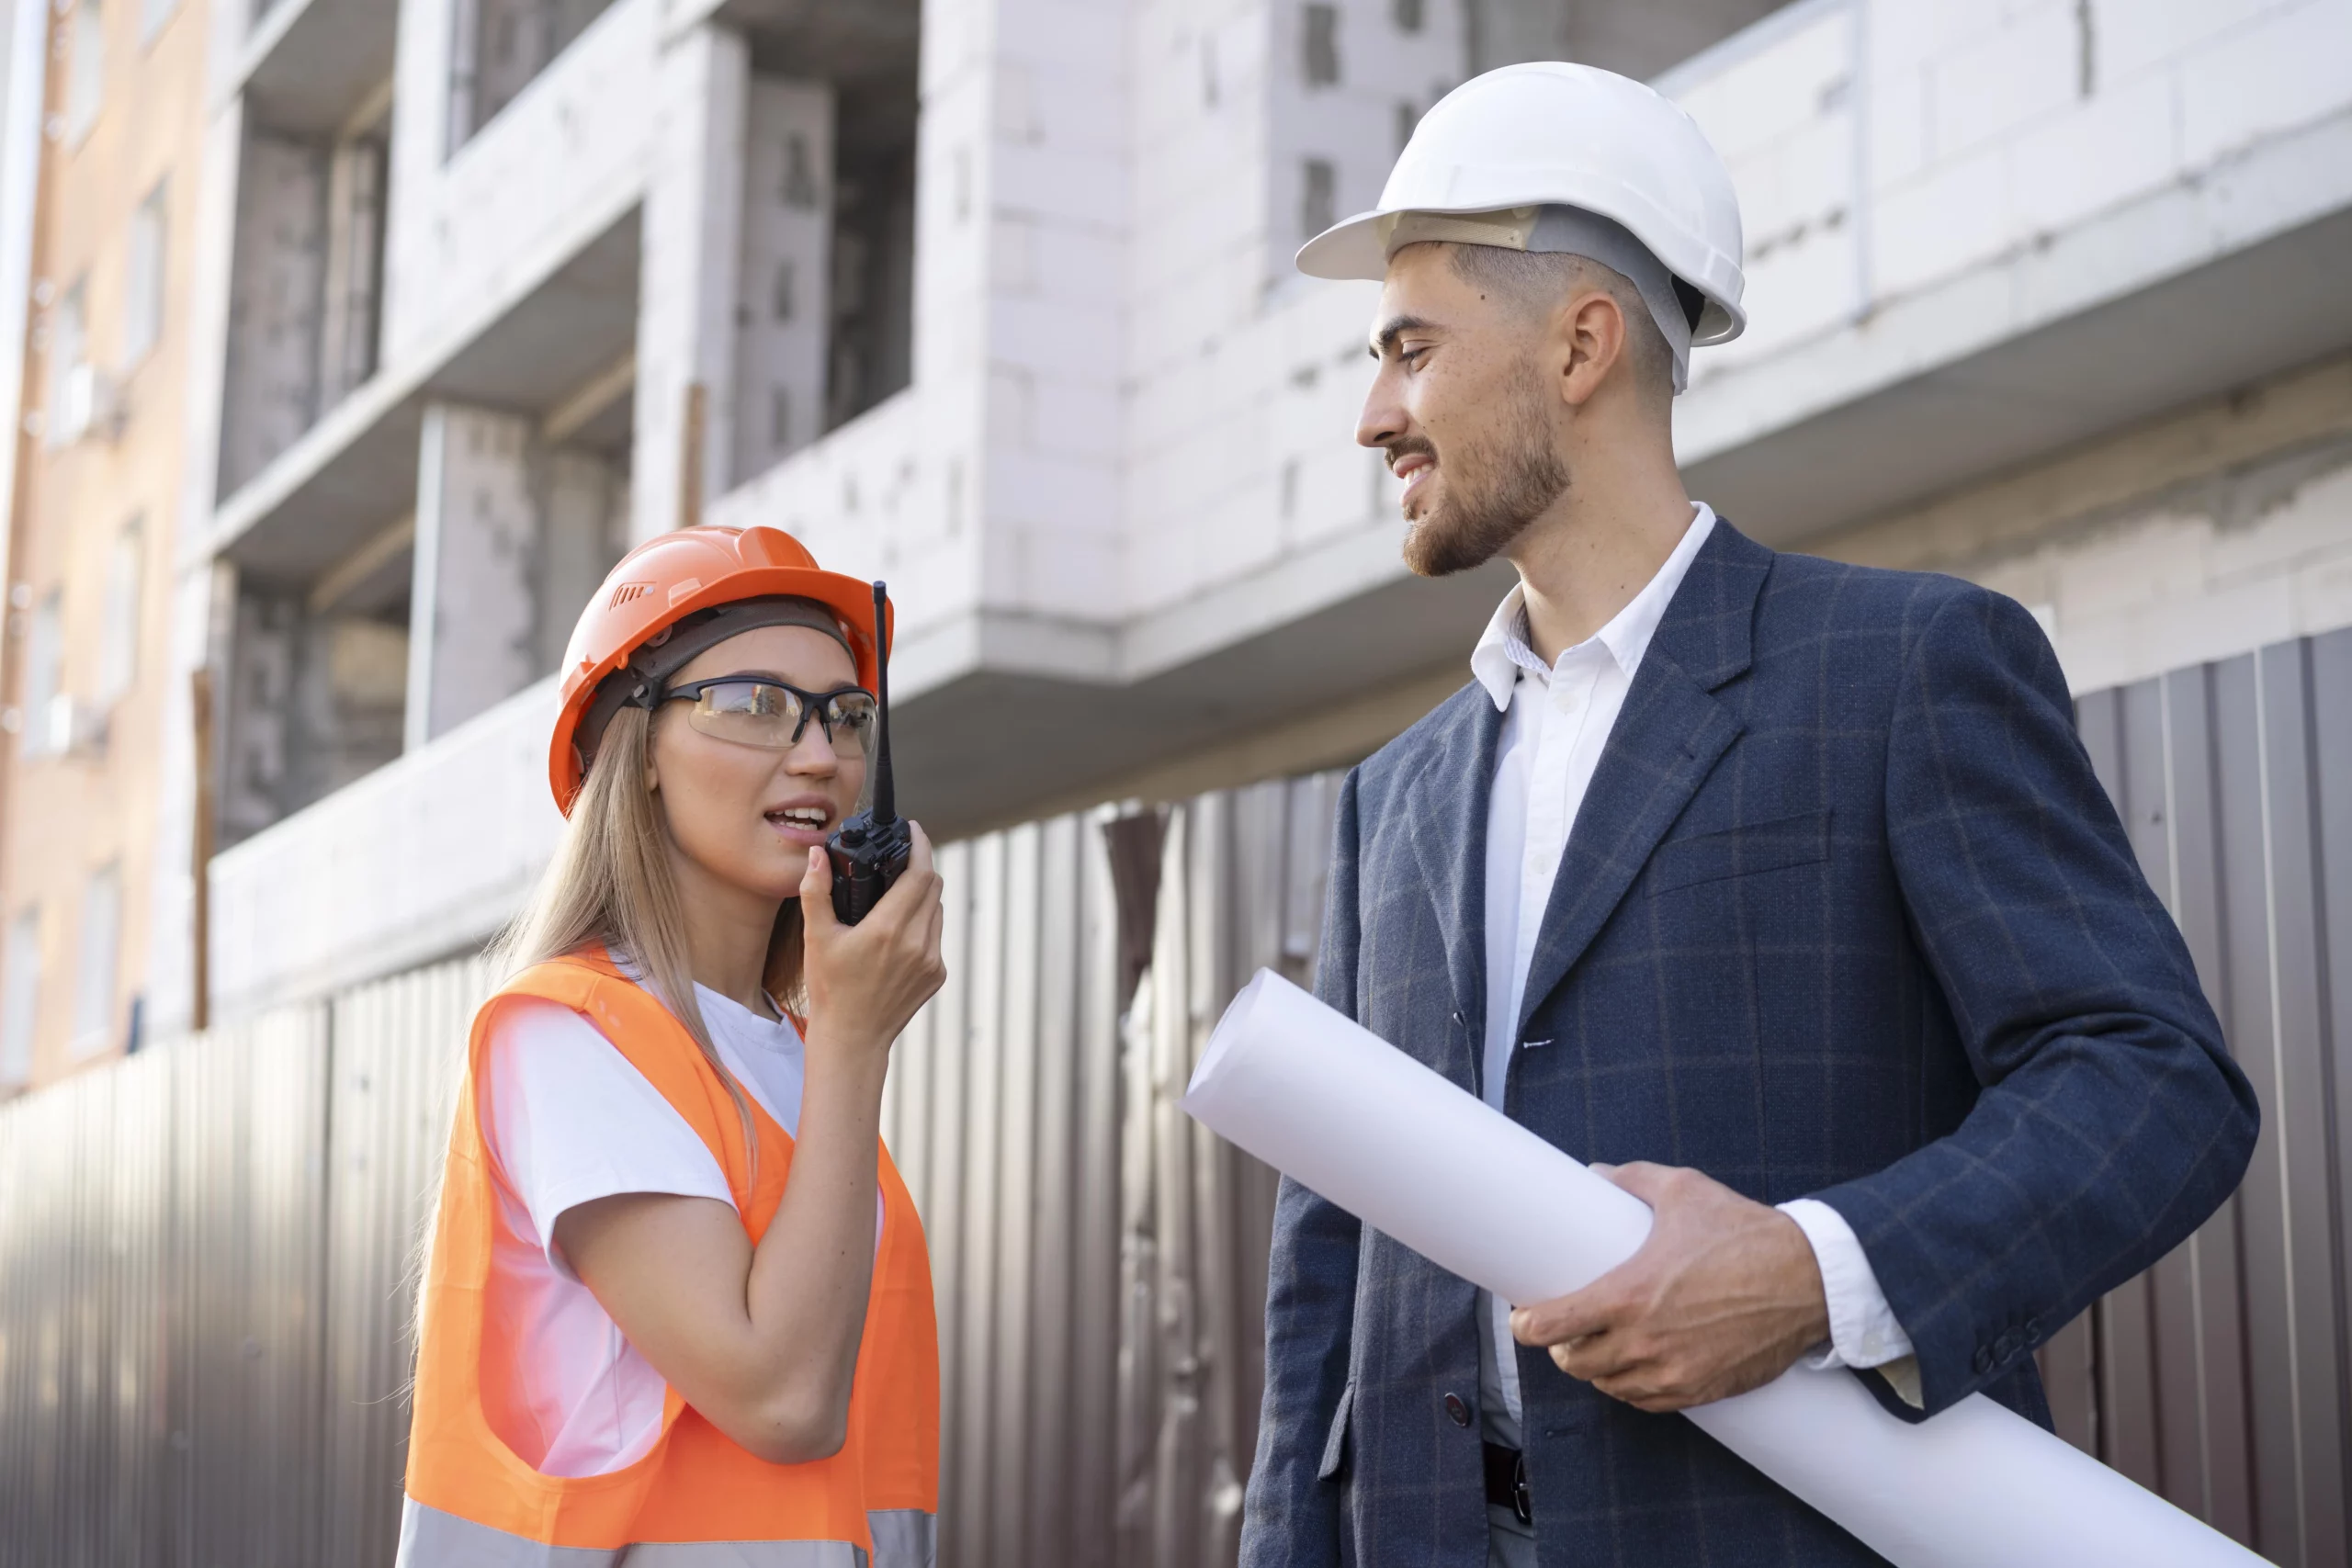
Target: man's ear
1593	327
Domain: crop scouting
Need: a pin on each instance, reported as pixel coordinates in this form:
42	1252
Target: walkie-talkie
870	849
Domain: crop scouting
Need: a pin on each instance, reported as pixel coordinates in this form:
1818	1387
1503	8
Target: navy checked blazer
1844	914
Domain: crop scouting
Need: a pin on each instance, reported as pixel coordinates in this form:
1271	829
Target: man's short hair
1536	281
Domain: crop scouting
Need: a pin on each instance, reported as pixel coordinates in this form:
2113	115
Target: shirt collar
1502	653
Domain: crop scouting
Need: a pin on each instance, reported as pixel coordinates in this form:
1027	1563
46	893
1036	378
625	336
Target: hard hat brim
1354	248
1351	248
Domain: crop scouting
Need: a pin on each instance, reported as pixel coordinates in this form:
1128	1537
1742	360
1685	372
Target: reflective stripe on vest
697	1499
431	1539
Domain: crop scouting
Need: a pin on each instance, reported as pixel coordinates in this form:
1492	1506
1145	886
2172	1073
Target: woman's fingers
817	893
920	859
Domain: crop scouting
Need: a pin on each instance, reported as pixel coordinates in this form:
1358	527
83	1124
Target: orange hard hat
671	576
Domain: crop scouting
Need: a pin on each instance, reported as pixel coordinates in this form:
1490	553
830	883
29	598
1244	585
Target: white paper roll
1360	1123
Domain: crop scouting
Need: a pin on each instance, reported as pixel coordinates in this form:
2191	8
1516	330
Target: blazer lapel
1446	821
1669	736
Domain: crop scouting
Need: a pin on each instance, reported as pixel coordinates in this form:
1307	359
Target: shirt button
1457	1410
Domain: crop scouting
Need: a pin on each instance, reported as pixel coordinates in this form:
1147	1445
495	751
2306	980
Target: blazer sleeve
1291	1514
2111	1120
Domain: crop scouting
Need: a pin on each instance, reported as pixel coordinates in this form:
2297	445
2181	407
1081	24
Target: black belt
1506	1482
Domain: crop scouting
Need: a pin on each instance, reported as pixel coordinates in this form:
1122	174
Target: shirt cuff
1863	1329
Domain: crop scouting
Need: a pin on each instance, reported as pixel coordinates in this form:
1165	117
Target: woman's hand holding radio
866	981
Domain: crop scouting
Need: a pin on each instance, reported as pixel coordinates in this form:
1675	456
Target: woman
675	1290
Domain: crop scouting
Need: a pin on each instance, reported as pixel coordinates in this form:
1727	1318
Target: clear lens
850	716
755	713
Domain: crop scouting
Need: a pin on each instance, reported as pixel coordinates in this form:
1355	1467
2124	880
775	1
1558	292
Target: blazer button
1984	1360
1457	1410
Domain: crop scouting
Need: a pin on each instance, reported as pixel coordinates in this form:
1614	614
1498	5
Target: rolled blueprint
1368	1128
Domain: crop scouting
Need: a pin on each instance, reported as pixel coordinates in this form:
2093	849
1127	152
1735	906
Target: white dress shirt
1556	721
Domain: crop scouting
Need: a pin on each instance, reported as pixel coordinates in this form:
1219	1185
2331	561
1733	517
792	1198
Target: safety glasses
752	710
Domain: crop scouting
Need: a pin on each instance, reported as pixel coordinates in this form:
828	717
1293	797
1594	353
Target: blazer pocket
1741	852
1334	1444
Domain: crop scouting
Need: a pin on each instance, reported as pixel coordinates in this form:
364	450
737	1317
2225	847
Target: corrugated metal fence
2219	1377
203	1257
204	1251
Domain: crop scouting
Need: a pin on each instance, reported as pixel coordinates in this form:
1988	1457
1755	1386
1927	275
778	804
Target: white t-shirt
569	1119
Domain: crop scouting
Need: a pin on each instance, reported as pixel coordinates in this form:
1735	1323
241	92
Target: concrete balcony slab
306	64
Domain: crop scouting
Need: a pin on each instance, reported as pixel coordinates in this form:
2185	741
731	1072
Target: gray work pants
1510	1544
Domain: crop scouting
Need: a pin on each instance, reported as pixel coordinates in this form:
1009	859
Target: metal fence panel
399	1049
2219	1377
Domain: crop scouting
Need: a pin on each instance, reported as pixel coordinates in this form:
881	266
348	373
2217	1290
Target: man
1765	880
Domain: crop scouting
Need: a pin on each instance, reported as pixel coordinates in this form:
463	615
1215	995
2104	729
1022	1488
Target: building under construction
993	298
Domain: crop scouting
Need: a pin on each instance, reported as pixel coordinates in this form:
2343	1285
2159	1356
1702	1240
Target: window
1321	64
94	981
69	349
1409	15
19	998
118	637
1317	197
44	657
153	14
143	319
355	264
85	80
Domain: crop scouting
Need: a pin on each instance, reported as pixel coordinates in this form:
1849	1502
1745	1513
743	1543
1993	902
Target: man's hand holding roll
1722	1297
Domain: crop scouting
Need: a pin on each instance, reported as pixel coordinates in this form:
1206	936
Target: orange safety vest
698	1497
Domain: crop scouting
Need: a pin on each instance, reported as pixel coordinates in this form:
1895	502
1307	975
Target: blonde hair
610	885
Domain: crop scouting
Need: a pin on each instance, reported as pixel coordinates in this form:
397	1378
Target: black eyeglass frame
813	704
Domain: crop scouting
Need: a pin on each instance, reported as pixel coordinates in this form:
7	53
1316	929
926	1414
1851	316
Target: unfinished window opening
317	681
1318	208
1320	44
499	46
826	289
306	295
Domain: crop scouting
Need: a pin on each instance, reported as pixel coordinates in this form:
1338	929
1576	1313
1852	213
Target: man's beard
1493	490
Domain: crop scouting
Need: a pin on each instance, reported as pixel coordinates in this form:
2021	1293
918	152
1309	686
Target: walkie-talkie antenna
886	793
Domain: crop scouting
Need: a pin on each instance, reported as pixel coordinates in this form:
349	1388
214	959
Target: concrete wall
2215	531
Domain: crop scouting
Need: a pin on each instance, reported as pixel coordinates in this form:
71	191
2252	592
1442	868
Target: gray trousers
1510	1544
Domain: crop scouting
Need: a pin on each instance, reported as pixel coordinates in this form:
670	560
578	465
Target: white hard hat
1551	134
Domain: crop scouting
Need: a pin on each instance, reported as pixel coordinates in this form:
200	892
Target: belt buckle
1520	1507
